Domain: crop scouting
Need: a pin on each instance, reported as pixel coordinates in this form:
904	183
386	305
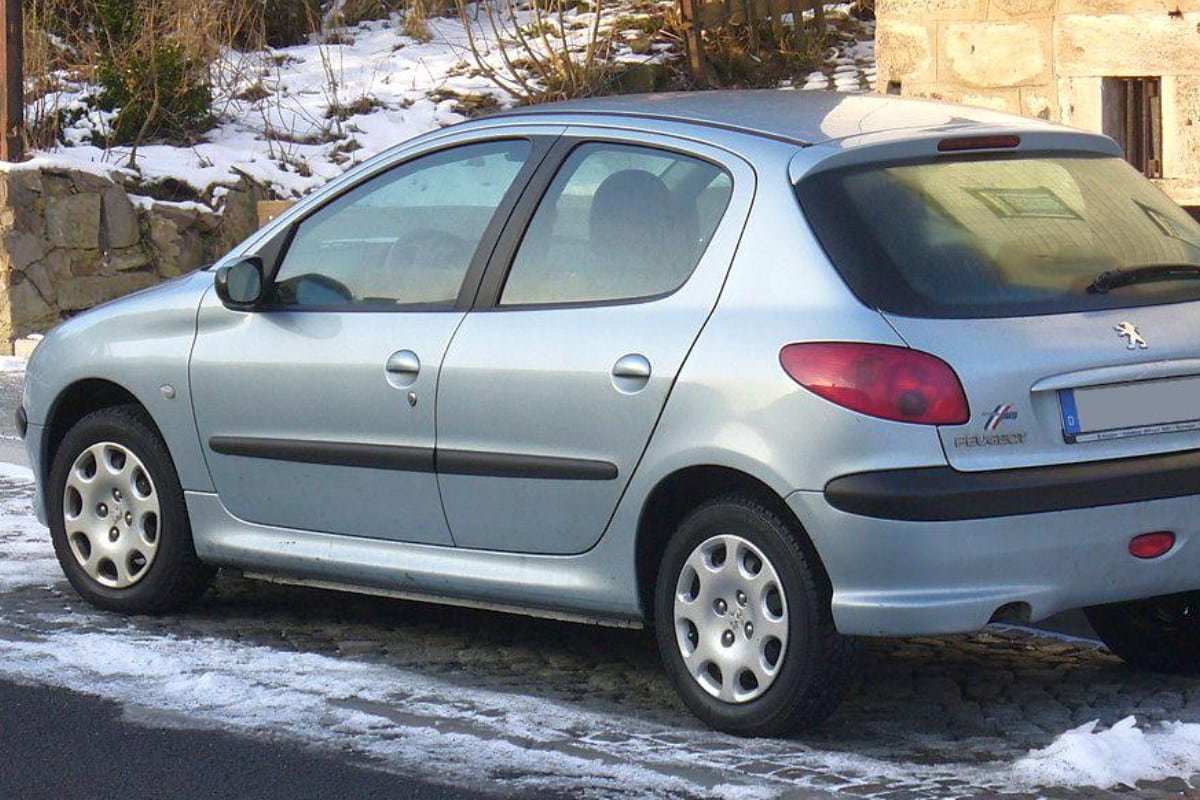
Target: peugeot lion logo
1130	331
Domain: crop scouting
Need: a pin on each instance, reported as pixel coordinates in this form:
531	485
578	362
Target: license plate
1121	410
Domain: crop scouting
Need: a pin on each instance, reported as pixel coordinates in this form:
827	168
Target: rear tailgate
1068	388
992	261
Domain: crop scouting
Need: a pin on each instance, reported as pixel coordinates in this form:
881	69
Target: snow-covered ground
274	107
274	123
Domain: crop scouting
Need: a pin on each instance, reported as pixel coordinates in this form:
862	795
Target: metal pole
12	99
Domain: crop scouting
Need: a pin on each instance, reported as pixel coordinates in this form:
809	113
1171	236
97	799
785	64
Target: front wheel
1160	633
117	516
743	622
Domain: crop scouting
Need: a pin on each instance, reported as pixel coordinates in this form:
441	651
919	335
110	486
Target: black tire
816	664
1160	634
174	576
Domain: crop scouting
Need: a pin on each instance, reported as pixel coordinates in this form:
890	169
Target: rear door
550	390
991	262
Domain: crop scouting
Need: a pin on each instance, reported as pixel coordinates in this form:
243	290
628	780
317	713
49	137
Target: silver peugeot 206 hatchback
763	370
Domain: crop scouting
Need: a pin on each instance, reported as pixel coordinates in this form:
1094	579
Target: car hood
170	297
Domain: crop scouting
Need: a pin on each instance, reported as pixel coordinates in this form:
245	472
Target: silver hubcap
731	620
112	516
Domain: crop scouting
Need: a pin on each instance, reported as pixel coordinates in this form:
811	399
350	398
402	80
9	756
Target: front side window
618	223
406	237
1003	236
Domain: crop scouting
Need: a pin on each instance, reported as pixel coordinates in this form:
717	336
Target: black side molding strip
416	459
942	494
340	454
511	465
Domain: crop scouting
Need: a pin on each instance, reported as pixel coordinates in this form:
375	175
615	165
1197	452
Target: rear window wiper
1116	278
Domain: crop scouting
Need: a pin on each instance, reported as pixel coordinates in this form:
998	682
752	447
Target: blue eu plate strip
1066	401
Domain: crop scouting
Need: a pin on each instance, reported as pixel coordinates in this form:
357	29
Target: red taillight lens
880	380
1151	545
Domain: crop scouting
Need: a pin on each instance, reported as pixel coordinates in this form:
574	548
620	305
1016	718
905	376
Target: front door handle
631	373
402	368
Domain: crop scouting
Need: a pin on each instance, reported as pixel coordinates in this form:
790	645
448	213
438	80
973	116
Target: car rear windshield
1003	236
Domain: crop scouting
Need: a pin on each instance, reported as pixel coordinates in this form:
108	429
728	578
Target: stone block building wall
1050	59
71	239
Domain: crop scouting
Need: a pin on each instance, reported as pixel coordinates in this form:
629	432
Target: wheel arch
74	403
682	491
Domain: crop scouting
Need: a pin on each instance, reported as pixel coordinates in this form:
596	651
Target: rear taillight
893	383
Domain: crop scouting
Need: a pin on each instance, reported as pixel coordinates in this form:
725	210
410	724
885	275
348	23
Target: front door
316	411
548	396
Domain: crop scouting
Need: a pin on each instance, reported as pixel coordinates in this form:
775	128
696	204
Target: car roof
800	117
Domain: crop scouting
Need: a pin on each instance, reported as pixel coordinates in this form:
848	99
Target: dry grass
761	54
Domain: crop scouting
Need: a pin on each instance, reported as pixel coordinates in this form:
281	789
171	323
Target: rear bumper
939	494
908	577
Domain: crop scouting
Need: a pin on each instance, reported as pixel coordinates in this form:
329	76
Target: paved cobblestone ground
930	718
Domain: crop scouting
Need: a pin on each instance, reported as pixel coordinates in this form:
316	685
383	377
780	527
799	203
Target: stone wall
70	239
1048	58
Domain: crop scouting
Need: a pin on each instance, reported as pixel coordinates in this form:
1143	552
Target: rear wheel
117	516
743	622
1160	633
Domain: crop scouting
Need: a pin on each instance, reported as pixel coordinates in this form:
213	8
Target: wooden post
693	39
12	97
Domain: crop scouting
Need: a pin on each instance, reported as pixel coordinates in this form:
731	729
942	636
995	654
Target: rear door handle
631	373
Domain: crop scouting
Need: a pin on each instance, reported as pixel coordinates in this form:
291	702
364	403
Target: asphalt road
59	745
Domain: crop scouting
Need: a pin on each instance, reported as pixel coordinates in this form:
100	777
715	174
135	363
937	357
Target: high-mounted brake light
961	143
879	380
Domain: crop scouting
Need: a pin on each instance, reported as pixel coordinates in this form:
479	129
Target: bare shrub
154	68
541	52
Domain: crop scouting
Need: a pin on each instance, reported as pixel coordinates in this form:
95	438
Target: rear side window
619	222
999	236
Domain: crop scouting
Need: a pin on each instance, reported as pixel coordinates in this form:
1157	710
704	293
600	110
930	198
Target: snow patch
1122	755
15	472
26	558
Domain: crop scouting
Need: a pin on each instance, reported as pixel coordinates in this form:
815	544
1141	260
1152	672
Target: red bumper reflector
1151	545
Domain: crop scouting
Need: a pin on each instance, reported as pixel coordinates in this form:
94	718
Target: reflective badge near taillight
894	383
